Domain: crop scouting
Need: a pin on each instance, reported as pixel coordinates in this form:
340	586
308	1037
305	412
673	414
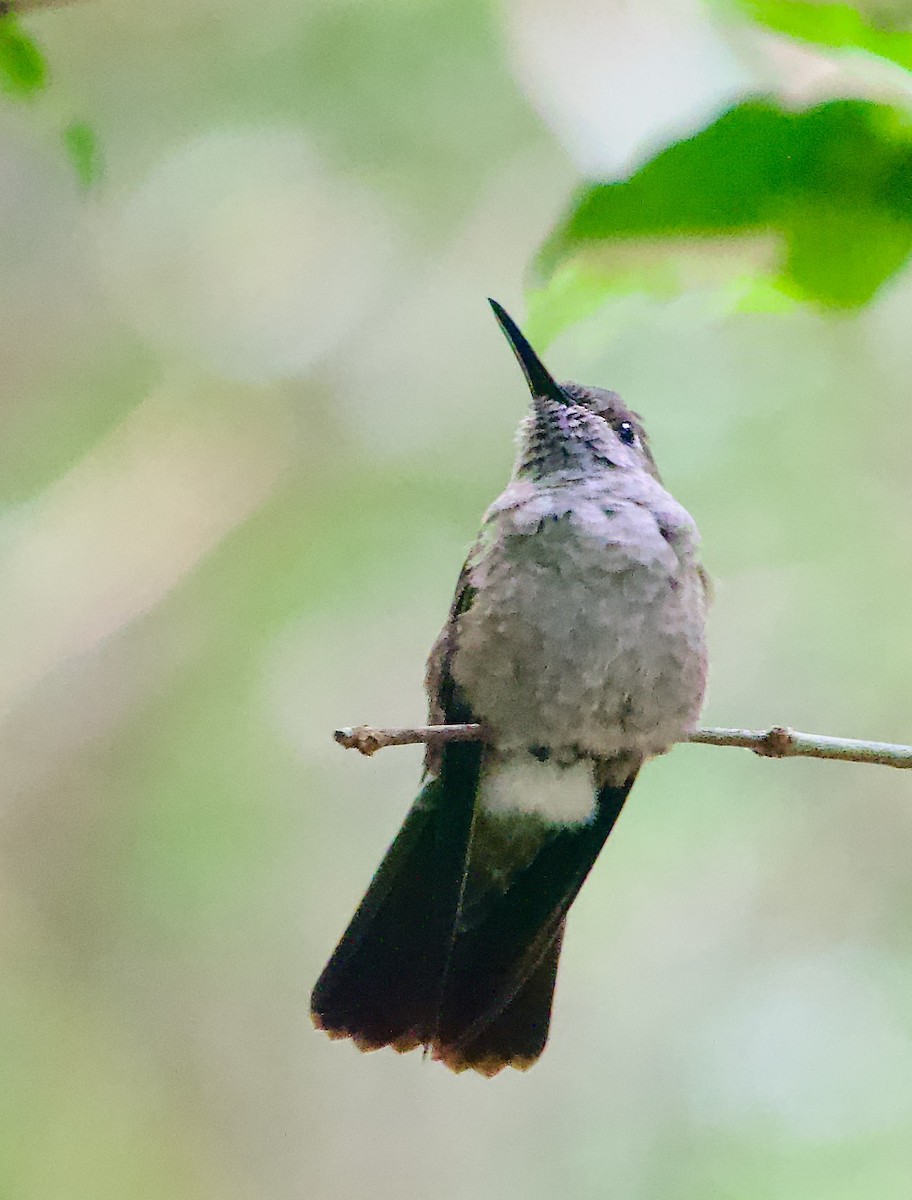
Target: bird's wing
447	703
384	983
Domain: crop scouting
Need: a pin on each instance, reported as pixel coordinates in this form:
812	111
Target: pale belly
574	645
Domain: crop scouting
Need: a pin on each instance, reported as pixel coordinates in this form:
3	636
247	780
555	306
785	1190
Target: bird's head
572	432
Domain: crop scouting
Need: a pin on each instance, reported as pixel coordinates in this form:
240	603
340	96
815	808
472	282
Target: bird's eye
626	432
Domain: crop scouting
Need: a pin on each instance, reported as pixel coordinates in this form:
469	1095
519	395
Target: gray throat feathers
577	635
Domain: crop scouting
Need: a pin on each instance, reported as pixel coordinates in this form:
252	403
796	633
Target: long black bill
538	377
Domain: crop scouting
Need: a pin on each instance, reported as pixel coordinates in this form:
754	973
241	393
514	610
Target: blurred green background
253	405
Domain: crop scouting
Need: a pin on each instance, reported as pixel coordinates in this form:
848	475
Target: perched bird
576	637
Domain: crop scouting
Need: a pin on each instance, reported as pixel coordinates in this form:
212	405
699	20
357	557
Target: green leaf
824	194
576	292
838	26
755	294
84	152
23	71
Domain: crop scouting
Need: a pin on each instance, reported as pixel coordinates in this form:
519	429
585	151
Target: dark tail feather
517	1036
383	984
510	958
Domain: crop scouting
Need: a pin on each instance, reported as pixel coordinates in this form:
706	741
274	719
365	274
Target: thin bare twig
368	740
777	742
780	742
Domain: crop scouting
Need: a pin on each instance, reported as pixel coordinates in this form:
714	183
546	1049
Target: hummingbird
576	638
